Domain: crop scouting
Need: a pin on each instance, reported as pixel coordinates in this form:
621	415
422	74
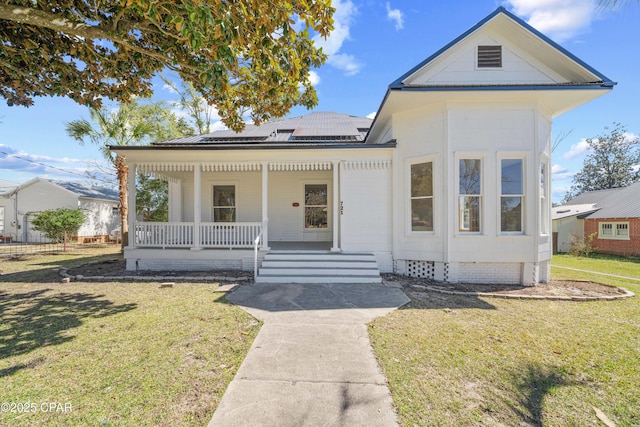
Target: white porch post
197	206
265	204
131	202
336	208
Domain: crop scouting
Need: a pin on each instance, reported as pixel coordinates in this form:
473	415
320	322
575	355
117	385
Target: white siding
569	229
37	197
286	222
100	218
366	209
458	66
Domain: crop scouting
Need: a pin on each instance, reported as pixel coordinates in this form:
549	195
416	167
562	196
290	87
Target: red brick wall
611	246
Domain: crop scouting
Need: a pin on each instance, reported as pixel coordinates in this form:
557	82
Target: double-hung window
422	196
316	206
613	230
224	203
512	195
470	195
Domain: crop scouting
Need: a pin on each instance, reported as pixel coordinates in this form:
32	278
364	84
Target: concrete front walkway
312	363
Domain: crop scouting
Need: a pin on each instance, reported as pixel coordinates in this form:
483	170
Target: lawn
454	361
112	354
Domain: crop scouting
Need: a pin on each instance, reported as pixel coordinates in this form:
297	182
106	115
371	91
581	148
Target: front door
317	213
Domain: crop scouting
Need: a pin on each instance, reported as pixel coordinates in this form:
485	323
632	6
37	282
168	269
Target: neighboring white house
20	204
451	180
568	224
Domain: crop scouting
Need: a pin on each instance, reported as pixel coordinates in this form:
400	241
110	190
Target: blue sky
373	43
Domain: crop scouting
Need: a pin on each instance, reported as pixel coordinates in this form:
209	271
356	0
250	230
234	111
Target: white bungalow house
19	205
451	181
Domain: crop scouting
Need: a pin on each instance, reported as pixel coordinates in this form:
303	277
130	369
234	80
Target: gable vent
489	56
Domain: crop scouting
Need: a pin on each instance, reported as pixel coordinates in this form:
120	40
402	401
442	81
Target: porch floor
300	246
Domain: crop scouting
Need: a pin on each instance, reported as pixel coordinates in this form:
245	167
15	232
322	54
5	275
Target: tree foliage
130	124
194	104
613	161
56	224
152	199
241	55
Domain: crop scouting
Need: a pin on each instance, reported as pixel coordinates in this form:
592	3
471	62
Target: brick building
615	224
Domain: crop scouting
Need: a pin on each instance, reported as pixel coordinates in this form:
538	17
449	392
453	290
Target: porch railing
228	234
258	241
164	234
212	234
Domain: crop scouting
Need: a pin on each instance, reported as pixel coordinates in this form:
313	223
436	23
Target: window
489	56
422	197
315	206
544	203
511	195
224	203
613	230
470	194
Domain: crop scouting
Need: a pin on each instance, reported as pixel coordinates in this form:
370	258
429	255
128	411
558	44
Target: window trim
522	195
614	228
482	156
213	199
434	165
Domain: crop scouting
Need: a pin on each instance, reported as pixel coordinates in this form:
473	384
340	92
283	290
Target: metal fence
10	246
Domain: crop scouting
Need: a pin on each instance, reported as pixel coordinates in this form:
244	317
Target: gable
529	59
459	66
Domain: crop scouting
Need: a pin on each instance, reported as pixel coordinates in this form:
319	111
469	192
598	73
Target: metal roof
318	127
565	211
86	190
614	203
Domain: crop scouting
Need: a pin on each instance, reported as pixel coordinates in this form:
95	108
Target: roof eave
263	146
579	86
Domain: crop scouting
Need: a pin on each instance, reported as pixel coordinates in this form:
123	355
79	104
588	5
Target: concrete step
319	256
318	267
318	279
299	263
332	271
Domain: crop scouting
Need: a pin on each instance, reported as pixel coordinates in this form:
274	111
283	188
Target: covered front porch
241	205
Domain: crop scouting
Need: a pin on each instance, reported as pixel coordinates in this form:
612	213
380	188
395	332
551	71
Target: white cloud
576	150
372	115
558	19
560	172
342	20
170	88
396	16
314	78
583	146
20	161
347	63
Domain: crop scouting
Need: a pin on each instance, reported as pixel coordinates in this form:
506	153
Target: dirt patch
555	288
117	268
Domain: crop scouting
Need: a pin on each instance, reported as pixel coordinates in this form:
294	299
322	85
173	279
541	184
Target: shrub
582	247
57	224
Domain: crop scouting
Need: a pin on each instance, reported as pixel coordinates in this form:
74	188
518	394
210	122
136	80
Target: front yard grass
454	361
114	353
